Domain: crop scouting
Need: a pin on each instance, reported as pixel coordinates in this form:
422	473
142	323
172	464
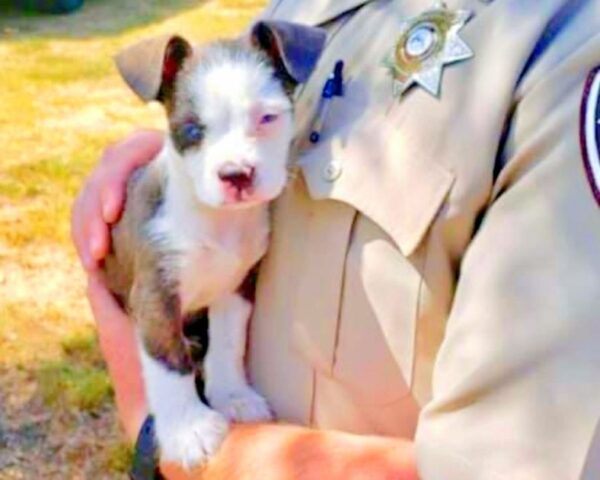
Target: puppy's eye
189	134
192	132
268	118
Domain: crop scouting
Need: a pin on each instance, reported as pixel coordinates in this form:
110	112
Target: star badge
427	43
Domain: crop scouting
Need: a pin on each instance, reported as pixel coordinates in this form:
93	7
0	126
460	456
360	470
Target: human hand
100	202
287	452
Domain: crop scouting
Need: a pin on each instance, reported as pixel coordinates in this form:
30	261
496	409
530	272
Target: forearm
116	334
284	452
128	385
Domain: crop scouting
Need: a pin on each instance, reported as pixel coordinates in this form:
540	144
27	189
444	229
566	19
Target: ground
61	103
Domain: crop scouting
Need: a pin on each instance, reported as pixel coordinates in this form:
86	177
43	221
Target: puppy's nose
241	177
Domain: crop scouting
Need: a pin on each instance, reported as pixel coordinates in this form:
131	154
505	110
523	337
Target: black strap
145	456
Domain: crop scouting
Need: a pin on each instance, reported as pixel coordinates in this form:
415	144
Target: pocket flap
374	169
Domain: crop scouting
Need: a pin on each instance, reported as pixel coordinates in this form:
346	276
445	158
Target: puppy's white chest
206	273
212	258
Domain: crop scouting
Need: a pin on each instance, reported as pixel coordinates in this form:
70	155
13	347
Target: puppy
196	219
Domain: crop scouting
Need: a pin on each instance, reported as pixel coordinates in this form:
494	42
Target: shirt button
332	171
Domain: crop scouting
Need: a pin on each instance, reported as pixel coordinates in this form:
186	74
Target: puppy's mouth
239	185
248	197
234	195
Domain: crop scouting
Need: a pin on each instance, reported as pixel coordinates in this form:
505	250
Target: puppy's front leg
188	431
226	387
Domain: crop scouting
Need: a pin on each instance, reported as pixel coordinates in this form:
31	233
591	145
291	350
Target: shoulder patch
590	131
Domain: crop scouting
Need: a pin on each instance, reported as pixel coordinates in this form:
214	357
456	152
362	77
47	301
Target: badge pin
427	43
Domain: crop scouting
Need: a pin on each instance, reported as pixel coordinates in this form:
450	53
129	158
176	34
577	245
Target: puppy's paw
242	404
191	437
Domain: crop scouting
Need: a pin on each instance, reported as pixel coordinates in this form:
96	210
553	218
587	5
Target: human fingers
100	201
88	229
118	162
105	308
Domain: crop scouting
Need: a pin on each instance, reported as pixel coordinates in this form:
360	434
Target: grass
79	379
84	388
62	103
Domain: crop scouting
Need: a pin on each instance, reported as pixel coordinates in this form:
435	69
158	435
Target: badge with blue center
426	44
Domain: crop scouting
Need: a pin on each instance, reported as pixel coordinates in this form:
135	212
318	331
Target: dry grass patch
62	103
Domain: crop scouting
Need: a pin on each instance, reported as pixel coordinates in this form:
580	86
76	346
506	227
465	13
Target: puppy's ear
150	67
294	49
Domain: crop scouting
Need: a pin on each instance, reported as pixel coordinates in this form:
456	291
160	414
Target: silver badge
426	44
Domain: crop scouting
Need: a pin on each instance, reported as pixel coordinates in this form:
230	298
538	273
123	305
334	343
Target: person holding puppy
427	307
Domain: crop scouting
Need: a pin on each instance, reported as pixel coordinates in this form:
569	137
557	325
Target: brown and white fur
196	219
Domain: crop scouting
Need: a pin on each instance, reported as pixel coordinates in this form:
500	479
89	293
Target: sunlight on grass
62	102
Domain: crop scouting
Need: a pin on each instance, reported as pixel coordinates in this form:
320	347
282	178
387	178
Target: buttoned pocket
372	166
397	194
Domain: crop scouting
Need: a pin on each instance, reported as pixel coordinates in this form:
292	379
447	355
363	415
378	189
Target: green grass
79	379
67	385
118	458
83	349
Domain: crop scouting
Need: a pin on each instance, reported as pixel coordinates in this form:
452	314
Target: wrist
124	369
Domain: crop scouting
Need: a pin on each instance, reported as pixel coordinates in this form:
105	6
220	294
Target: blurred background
61	103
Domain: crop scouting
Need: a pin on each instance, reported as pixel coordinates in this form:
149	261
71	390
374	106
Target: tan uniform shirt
435	266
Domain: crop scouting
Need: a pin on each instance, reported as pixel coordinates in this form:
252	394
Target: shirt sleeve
516	386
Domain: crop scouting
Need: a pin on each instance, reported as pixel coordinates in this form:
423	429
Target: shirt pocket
378	314
397	194
371	165
592	462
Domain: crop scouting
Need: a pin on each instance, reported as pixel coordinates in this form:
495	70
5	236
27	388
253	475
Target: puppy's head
229	106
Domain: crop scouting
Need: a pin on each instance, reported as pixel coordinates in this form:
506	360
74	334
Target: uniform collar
312	12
